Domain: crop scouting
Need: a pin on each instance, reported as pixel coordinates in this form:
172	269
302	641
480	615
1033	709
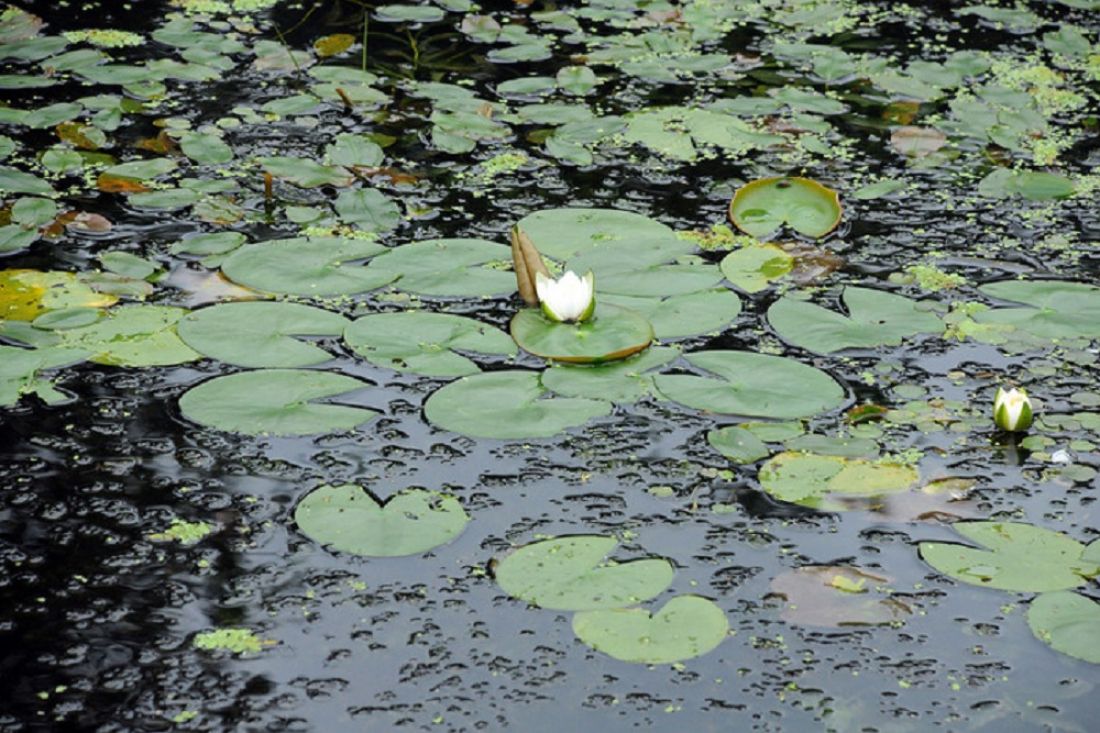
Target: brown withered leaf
526	261
119	184
917	142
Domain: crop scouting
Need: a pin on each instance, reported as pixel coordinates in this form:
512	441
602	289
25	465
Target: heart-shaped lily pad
612	333
876	318
348	519
425	343
687	627
1054	309
565	233
1068	622
448	267
1021	557
309	267
274	401
681	316
620	381
818	481
757	385
836	596
569	574
761	207
507	404
255	334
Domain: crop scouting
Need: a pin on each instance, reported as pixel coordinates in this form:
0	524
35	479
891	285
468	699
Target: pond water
256	259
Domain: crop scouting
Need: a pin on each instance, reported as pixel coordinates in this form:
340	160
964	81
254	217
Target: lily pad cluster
571	573
1024	558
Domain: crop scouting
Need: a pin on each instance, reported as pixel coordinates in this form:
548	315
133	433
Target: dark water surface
97	620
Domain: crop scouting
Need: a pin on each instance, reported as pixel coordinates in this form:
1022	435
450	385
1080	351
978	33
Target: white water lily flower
569	298
1012	410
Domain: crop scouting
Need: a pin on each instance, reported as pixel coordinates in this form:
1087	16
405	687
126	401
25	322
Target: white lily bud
1012	410
569	298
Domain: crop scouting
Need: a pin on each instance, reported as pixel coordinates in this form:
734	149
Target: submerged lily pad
275	401
737	444
620	381
1068	622
685	628
756	385
876	318
447	267
348	519
761	207
1020	557
612	333
1055	309
507	404
569	574
425	343
260	334
309	267
820	481
836	596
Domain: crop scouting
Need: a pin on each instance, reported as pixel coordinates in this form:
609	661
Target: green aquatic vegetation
929	278
235	640
186	533
105	37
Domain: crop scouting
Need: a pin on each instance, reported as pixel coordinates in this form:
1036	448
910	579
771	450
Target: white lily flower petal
569	298
1012	410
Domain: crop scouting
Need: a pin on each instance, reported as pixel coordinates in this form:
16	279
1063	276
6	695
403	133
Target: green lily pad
274	401
409	13
738	444
876	318
425	343
819	481
1055	309
309	267
612	333
647	268
1020	557
565	233
255	334
19	372
507	404
620	381
348	519
13	180
128	336
753	268
755	385
761	207
682	316
306	173
447	267
686	627
569	574
1068	622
